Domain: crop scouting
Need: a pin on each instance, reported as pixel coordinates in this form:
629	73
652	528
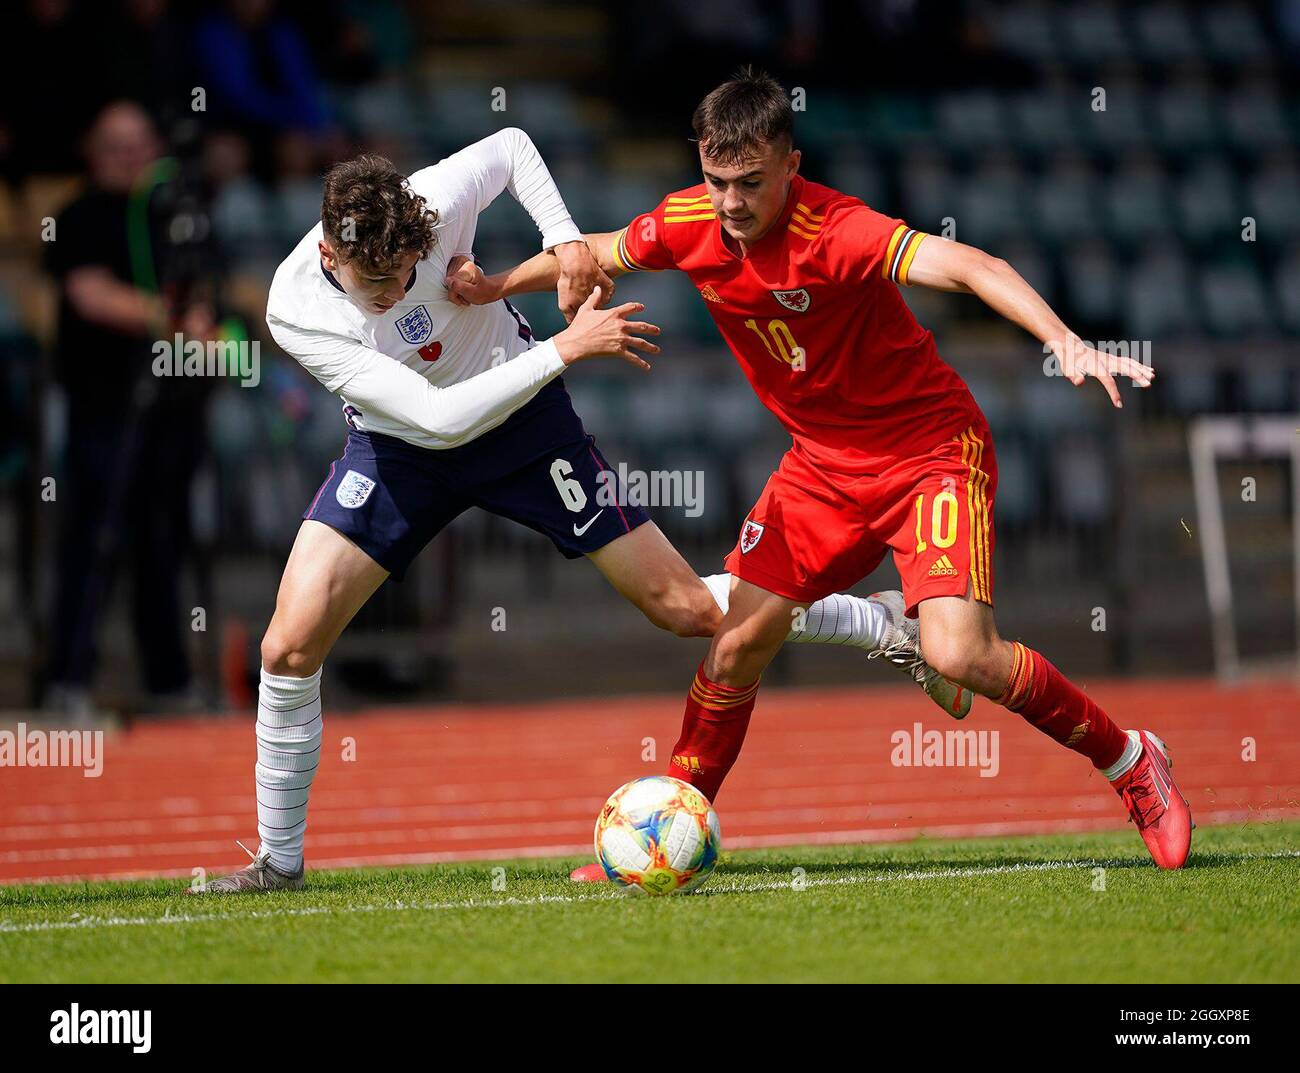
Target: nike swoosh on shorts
579	532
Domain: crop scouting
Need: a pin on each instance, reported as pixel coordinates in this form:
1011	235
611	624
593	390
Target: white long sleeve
474	177
382	388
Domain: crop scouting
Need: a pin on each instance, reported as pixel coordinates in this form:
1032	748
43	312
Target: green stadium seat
1165	33
1233	299
1157	296
1065	202
1025	28
1046	119
1255	117
991	203
1093	282
929	189
1286	290
1274	200
1209	201
1186	116
972	118
1232	33
1138	200
1095	32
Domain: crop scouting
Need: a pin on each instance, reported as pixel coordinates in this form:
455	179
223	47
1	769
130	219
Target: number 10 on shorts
943	521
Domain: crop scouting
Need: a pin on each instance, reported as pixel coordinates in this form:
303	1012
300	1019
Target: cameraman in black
133	442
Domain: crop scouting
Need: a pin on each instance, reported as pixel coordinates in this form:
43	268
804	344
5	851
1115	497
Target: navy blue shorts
539	468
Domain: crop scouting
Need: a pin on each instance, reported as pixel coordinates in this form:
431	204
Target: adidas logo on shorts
943	568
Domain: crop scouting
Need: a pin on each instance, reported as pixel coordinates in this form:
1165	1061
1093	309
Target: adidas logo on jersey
943	568
709	294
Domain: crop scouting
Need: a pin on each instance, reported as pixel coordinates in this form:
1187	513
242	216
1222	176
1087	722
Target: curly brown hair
372	217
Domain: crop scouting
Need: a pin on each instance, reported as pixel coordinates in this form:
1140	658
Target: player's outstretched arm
468	285
375	383
944	265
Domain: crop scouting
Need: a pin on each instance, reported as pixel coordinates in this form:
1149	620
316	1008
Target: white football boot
901	646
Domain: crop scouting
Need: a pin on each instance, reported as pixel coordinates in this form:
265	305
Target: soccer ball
658	835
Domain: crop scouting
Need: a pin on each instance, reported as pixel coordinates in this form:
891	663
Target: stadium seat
1209	201
1124	124
1082	479
991	203
1232	33
929	189
1138	200
1065	202
1094	31
1286	290
1164	32
1025	28
1093	281
1274	200
1233	299
1158	298
1255	118
1186	115
972	118
1046	119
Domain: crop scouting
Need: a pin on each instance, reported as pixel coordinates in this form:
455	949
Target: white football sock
836	620
1129	757
288	753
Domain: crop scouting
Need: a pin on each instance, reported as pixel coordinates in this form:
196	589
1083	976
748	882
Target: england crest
795	301
416	325
750	534
354	489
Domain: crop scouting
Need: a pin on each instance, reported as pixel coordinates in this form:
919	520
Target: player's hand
580	274
467	285
599	332
1079	361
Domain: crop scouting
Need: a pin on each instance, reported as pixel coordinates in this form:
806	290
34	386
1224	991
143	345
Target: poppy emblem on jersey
416	326
750	534
354	489
795	301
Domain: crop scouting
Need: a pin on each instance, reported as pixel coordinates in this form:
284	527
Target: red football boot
1155	804
589	873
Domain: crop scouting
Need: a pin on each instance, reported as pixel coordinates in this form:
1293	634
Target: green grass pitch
1024	909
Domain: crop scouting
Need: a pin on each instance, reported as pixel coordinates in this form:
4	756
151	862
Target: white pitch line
13	927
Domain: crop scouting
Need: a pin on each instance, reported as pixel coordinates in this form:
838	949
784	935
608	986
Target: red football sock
1051	702
713	730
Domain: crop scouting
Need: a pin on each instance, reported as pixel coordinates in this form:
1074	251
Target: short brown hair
388	219
737	119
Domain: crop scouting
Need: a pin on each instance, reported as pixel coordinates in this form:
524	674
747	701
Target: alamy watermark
919	747
652	488
1113	350
239	359
75	1025
26	747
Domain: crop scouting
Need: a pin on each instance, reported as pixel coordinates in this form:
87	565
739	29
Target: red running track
463	782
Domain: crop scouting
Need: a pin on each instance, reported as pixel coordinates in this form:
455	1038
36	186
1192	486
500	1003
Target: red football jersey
815	318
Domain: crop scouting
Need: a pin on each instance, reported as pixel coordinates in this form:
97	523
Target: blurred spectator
260	75
130	458
46	100
148	55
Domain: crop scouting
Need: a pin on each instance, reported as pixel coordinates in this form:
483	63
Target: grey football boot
260	875
901	646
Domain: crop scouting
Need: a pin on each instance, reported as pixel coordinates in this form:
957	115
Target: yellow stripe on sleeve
899	232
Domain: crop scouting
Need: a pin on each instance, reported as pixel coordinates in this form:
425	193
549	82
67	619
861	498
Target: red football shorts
813	533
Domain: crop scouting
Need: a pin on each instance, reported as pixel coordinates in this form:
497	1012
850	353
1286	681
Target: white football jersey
428	371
